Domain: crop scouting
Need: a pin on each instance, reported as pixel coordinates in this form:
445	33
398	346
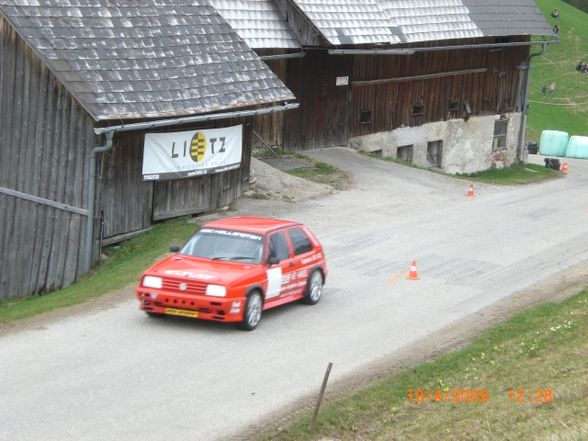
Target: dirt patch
271	183
451	338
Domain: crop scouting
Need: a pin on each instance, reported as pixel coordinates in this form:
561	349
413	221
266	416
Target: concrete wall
467	145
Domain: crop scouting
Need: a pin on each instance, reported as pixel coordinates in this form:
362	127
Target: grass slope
322	173
513	175
567	108
123	266
542	351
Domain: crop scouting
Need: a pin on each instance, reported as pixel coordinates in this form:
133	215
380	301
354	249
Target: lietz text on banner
191	153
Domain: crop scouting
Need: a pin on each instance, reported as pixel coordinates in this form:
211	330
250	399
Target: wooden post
320	397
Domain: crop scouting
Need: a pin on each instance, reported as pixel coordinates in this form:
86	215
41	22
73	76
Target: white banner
191	153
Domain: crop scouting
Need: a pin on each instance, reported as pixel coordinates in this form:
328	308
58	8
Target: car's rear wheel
155	314
253	311
314	288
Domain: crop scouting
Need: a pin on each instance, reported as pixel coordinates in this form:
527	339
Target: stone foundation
466	146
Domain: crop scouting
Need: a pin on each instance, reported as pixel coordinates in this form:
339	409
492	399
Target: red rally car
233	269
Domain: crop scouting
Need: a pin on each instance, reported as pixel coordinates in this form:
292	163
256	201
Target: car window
278	246
300	241
217	244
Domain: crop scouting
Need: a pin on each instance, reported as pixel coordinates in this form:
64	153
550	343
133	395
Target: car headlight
216	291
152	282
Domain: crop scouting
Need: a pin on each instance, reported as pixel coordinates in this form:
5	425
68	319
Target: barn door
323	117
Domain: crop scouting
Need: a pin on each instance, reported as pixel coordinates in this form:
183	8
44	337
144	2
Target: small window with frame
453	106
365	117
435	153
418	110
500	132
404	152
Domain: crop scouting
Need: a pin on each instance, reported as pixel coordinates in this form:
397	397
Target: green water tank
578	147
553	143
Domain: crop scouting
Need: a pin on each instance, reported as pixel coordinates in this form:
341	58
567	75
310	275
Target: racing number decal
198	147
274	282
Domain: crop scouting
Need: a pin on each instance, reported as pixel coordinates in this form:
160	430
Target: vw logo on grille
183	287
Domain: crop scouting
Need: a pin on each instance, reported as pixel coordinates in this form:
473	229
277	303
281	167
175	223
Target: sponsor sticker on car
181	312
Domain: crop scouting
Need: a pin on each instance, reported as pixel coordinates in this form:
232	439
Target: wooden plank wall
489	92
44	139
322	118
204	193
130	204
123	200
270	126
329	115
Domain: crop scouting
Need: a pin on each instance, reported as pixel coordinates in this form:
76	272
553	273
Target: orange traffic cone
564	167
412	274
471	192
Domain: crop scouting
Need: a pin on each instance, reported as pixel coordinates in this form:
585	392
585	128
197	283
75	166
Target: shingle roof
142	59
259	22
355	22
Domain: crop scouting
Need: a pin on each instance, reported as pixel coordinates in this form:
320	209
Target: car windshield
216	244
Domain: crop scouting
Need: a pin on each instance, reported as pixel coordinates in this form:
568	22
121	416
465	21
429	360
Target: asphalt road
114	374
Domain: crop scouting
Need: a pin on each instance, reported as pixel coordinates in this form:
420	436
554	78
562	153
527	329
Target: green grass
567	108
515	174
321	173
545	347
124	265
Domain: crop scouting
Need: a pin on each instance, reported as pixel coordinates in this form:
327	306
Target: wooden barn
437	83
114	115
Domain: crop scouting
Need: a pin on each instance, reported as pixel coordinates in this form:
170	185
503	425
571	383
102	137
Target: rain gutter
282	56
414	50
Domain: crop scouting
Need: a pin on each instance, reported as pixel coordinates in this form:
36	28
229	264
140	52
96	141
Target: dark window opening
365	117
500	129
453	106
418	109
503	39
435	153
300	241
279	246
404	152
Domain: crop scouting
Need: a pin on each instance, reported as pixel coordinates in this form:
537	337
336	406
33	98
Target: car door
301	261
279	275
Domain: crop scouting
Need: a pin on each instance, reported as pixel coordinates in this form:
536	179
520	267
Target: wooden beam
43	201
177	213
121	237
419	77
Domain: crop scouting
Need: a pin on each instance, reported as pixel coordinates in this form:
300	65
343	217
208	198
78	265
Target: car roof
251	224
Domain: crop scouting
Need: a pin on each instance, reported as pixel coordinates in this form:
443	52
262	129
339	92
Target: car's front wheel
314	288
253	311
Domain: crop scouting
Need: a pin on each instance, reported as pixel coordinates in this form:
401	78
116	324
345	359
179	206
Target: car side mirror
174	248
273	260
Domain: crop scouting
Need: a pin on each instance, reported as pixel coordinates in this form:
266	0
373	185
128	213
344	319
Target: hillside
580	4
567	108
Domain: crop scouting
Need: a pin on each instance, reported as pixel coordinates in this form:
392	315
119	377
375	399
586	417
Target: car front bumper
219	309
